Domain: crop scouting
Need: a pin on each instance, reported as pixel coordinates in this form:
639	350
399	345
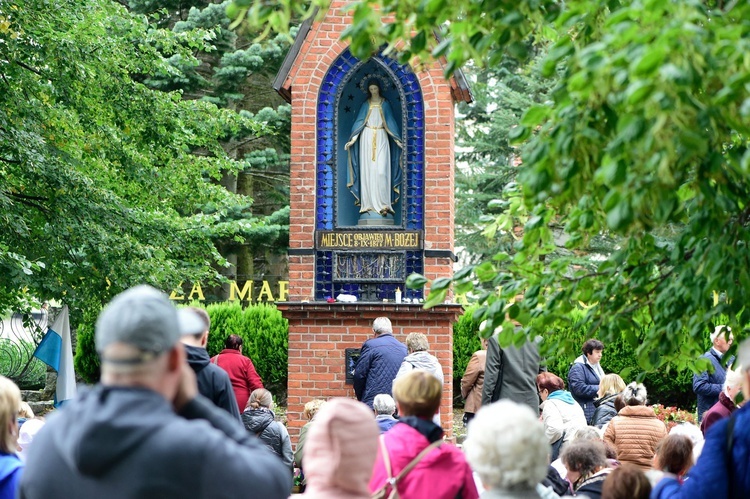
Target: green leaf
534	115
416	281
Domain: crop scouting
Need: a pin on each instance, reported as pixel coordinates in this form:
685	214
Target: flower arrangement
672	416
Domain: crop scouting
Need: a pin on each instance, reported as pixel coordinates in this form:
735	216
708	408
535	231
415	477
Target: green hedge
86	360
264	333
465	342
262	328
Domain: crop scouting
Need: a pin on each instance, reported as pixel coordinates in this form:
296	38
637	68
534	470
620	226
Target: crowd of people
165	421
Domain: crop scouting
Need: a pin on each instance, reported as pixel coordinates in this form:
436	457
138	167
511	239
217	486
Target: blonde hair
611	384
260	398
10	403
418	394
312	408
417	342
25	411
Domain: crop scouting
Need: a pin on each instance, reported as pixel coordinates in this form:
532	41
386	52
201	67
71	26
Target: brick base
319	333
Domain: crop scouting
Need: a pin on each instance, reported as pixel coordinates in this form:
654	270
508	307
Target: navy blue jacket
583	383
379	361
708	385
213	381
710	475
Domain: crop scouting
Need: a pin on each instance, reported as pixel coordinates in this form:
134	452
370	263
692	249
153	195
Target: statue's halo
385	82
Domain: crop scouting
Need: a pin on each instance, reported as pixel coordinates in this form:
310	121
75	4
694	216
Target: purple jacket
720	410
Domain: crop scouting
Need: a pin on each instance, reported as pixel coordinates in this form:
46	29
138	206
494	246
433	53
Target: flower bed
672	416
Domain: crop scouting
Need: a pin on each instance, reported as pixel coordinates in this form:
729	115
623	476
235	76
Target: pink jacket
241	372
443	473
340	451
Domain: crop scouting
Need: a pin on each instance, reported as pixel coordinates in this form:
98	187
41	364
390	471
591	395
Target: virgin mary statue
374	145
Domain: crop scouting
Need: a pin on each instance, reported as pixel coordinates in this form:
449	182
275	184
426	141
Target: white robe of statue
375	164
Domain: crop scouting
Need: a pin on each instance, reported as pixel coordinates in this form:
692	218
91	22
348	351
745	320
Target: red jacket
441	474
241	372
720	410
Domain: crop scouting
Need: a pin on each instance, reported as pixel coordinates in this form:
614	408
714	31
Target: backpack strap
394	481
215	360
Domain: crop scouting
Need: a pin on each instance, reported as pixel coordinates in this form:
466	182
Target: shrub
86	361
264	333
465	341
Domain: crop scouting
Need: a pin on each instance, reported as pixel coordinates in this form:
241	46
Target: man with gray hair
379	360
145	431
384	407
213	381
707	385
723	468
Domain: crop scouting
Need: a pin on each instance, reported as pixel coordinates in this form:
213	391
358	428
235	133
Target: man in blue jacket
378	364
723	468
708	385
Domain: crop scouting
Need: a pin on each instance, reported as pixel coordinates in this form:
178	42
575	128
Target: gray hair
384	404
733	379
417	342
584	456
634	394
743	355
382	325
507	446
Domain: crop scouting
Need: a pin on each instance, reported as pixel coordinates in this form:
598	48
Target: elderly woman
418	357
584	376
438	470
586	462
635	431
561	415
342	446
725	406
260	420
10	464
508	449
610	387
384	406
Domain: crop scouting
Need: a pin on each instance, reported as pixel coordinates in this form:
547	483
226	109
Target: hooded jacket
422	361
442	474
10	475
562	416
119	442
341	449
213	381
262	423
604	410
635	432
379	361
